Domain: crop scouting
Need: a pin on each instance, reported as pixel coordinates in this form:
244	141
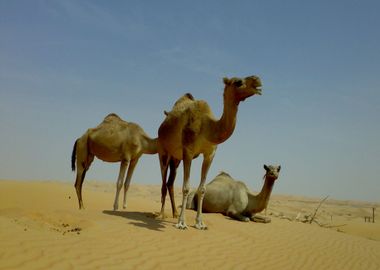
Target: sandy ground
41	228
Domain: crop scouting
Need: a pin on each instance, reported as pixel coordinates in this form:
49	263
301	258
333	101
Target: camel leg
131	168
81	173
82	168
238	216
84	160
164	163
185	189
119	184
207	160
173	172
260	219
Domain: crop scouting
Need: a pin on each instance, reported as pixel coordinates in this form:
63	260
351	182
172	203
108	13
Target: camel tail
73	156
192	201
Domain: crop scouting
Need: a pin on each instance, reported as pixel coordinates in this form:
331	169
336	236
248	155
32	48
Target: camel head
239	89
271	172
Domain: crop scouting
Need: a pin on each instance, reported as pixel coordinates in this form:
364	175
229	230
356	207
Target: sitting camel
232	198
114	140
189	130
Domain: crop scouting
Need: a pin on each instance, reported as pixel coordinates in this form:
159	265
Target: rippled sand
41	228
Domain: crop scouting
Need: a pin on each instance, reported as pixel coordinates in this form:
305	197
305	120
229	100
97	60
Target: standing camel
232	198
113	140
190	129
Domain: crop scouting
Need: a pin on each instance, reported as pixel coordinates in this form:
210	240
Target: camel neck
149	145
223	128
259	202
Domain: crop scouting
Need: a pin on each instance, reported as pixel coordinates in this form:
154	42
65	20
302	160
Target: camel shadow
144	220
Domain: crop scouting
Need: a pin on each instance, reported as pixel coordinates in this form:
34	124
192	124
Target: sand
42	228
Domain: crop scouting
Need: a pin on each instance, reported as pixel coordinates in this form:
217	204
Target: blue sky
64	65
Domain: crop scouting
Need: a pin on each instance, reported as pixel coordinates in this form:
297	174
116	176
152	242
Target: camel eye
238	83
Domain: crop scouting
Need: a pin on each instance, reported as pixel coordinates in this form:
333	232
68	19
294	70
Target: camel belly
108	152
224	195
216	200
175	135
174	146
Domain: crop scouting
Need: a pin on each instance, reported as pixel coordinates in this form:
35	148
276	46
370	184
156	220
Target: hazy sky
64	65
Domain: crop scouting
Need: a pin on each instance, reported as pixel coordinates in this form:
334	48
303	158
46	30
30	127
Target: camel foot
245	219
261	219
200	226
239	217
81	206
181	225
159	215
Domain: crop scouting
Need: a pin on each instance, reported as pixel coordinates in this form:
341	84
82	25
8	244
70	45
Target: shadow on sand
141	219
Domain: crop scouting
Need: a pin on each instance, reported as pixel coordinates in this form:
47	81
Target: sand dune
41	228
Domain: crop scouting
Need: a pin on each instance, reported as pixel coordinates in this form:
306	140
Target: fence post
373	214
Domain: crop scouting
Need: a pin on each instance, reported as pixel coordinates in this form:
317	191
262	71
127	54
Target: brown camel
113	140
232	198
190	129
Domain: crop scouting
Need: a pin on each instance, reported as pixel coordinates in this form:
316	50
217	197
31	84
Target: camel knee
186	190
77	187
119	185
169	187
81	174
201	191
163	190
126	186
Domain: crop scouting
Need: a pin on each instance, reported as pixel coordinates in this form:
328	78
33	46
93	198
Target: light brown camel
113	140
232	198
190	129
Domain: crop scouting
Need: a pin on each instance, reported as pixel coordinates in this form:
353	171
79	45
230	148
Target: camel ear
226	81
266	167
279	168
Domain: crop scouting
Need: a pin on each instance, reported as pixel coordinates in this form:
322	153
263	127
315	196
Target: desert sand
42	228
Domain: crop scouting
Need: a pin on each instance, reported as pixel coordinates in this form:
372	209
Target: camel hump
181	103
113	118
189	95
185	98
222	173
112	115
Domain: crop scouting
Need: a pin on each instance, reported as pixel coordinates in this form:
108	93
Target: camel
173	165
232	198
113	140
190	129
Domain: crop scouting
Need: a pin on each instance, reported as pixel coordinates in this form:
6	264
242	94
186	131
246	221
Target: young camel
232	198
190	129
114	140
